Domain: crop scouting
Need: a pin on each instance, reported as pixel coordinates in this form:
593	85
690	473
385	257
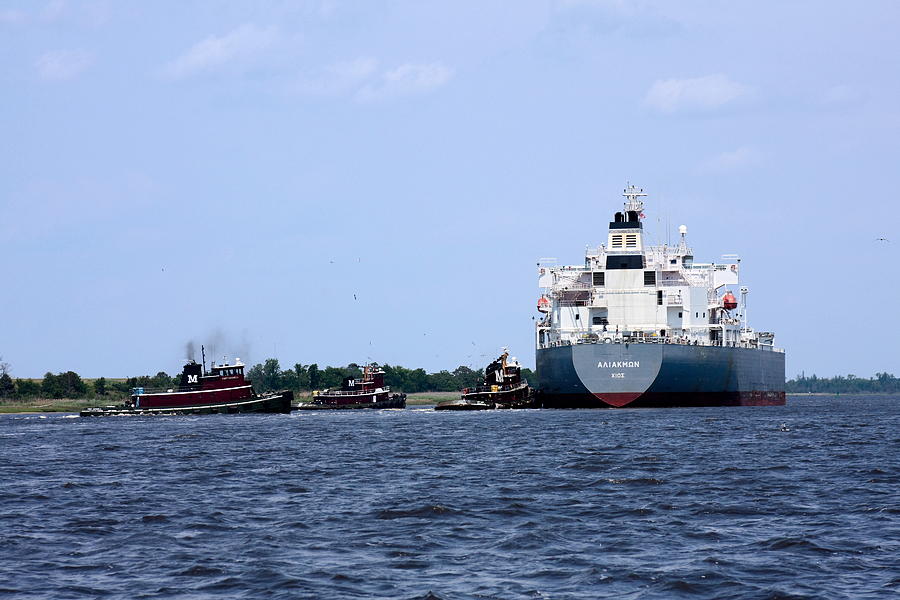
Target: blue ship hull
655	375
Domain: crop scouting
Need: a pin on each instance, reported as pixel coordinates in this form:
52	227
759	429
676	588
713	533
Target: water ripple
693	503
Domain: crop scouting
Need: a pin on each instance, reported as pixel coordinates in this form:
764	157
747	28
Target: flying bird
882	239
354	296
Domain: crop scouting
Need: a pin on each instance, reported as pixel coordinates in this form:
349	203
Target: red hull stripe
196	397
619	399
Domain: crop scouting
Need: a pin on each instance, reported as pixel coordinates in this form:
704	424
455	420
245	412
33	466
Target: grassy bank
425	398
32	405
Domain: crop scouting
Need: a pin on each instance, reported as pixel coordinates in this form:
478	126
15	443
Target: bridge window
649	277
600	279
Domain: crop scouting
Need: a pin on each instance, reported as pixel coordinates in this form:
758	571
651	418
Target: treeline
882	383
270	376
266	376
61	385
71	385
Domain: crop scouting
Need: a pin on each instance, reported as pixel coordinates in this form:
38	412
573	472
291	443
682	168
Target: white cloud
733	160
340	77
405	80
694	94
63	65
241	44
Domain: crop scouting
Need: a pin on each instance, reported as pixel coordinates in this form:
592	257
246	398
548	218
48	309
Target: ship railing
726	321
570	285
490	388
672	282
679	341
354	392
139	391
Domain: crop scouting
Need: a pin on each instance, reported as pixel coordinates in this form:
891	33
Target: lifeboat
543	304
729	302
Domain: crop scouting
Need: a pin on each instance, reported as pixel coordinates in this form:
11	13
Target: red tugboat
503	387
222	390
368	392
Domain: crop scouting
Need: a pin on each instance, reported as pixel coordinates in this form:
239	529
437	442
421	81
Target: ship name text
618	364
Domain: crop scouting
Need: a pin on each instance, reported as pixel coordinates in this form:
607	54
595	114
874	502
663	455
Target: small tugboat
503	387
368	392
222	390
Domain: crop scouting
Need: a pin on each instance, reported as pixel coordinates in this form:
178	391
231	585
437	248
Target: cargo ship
222	390
502	387
368	392
647	326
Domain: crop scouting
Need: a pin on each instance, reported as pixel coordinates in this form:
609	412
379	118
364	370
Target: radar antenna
633	195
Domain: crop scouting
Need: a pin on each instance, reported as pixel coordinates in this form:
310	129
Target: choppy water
670	503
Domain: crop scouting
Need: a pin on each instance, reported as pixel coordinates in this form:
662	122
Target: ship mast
634	195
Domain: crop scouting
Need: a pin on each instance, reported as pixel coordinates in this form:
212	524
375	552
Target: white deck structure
627	292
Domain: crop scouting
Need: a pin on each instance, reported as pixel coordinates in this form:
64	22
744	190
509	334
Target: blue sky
233	173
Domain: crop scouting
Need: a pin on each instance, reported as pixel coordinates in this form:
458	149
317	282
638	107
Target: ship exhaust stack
626	229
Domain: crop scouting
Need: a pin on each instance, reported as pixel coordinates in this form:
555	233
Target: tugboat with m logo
221	390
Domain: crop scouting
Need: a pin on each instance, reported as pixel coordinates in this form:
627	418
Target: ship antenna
633	196
203	354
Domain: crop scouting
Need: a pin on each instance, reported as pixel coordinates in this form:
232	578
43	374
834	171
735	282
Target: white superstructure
627	291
